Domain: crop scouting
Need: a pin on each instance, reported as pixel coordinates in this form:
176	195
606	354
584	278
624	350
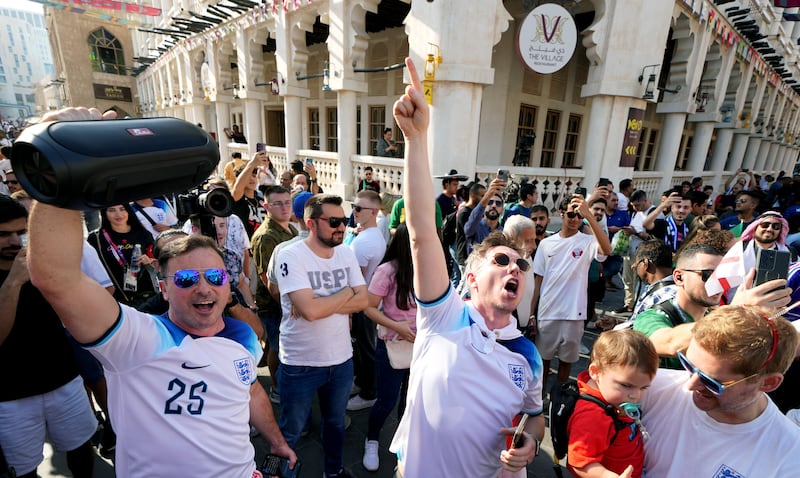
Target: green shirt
653	319
398	215
265	239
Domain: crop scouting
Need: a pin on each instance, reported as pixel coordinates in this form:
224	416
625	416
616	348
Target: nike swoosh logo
192	367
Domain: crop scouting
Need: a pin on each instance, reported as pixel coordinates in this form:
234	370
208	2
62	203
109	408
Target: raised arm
412	115
243	178
54	259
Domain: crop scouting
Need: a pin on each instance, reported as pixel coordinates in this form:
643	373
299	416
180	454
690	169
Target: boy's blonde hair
625	348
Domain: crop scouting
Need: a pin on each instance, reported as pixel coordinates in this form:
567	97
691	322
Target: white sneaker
358	403
371	461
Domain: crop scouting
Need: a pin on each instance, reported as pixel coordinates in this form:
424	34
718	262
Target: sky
22	5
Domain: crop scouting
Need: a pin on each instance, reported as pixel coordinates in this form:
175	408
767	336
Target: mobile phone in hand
518	440
502	174
309	161
260	147
770	265
274	465
581	191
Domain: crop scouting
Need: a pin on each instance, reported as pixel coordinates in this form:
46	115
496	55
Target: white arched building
657	90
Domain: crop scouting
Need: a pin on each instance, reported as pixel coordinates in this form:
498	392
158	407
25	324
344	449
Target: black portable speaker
92	164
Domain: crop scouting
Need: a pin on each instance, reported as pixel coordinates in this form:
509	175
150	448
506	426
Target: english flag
729	273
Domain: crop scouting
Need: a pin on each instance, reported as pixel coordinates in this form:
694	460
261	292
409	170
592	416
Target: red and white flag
729	273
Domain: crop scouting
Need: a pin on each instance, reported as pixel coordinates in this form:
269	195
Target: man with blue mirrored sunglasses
713	418
183	387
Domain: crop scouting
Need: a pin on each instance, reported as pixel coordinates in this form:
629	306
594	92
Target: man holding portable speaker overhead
182	386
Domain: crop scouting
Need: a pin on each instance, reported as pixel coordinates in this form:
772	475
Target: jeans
455	279
392	383
332	384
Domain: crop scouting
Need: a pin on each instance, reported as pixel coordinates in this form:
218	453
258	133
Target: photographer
185	381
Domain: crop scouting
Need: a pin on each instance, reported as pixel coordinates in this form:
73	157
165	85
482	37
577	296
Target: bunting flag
115	5
791	17
63	6
787	3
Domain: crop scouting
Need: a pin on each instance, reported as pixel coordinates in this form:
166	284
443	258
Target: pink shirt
383	284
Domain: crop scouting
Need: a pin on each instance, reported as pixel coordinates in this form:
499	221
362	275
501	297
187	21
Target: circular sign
547	38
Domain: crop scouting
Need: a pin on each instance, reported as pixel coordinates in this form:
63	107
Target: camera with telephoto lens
216	202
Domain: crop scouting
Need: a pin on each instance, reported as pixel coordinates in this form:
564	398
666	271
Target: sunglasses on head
358	208
573	215
334	222
503	260
704	273
186	278
776	226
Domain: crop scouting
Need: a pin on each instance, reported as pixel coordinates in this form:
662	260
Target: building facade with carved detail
656	90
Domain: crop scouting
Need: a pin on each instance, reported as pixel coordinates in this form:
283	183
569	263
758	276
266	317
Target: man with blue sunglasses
714	418
183	388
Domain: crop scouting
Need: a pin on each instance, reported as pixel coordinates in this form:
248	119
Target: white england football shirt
180	404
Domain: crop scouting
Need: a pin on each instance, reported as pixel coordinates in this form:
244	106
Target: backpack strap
610	410
668	308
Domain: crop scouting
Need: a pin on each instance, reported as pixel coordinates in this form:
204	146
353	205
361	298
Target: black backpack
563	398
449	227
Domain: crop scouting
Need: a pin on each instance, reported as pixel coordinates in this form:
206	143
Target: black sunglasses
572	215
358	208
705	274
10	181
776	226
503	260
333	221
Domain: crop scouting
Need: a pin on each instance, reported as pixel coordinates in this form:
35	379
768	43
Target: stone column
223	113
763	154
740	139
702	140
750	156
721	148
670	146
465	70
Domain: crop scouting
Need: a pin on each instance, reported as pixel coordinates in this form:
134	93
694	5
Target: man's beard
768	241
331	241
491	214
540	230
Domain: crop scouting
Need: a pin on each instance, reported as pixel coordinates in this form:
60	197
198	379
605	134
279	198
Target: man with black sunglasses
669	324
713	417
320	285
183	388
485	217
471	365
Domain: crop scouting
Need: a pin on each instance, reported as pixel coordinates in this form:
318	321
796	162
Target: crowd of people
450	308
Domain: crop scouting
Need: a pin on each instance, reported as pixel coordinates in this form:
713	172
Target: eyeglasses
712	385
334	222
741	201
494	202
280	204
10	181
503	260
705	274
573	215
776	226
185	278
358	208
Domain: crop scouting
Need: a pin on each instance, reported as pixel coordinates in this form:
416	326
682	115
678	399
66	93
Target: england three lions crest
244	370
517	375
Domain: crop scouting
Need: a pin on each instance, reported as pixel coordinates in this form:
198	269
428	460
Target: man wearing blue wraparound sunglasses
182	386
713	418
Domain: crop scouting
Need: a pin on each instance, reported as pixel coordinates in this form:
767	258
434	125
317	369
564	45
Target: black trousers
364	335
